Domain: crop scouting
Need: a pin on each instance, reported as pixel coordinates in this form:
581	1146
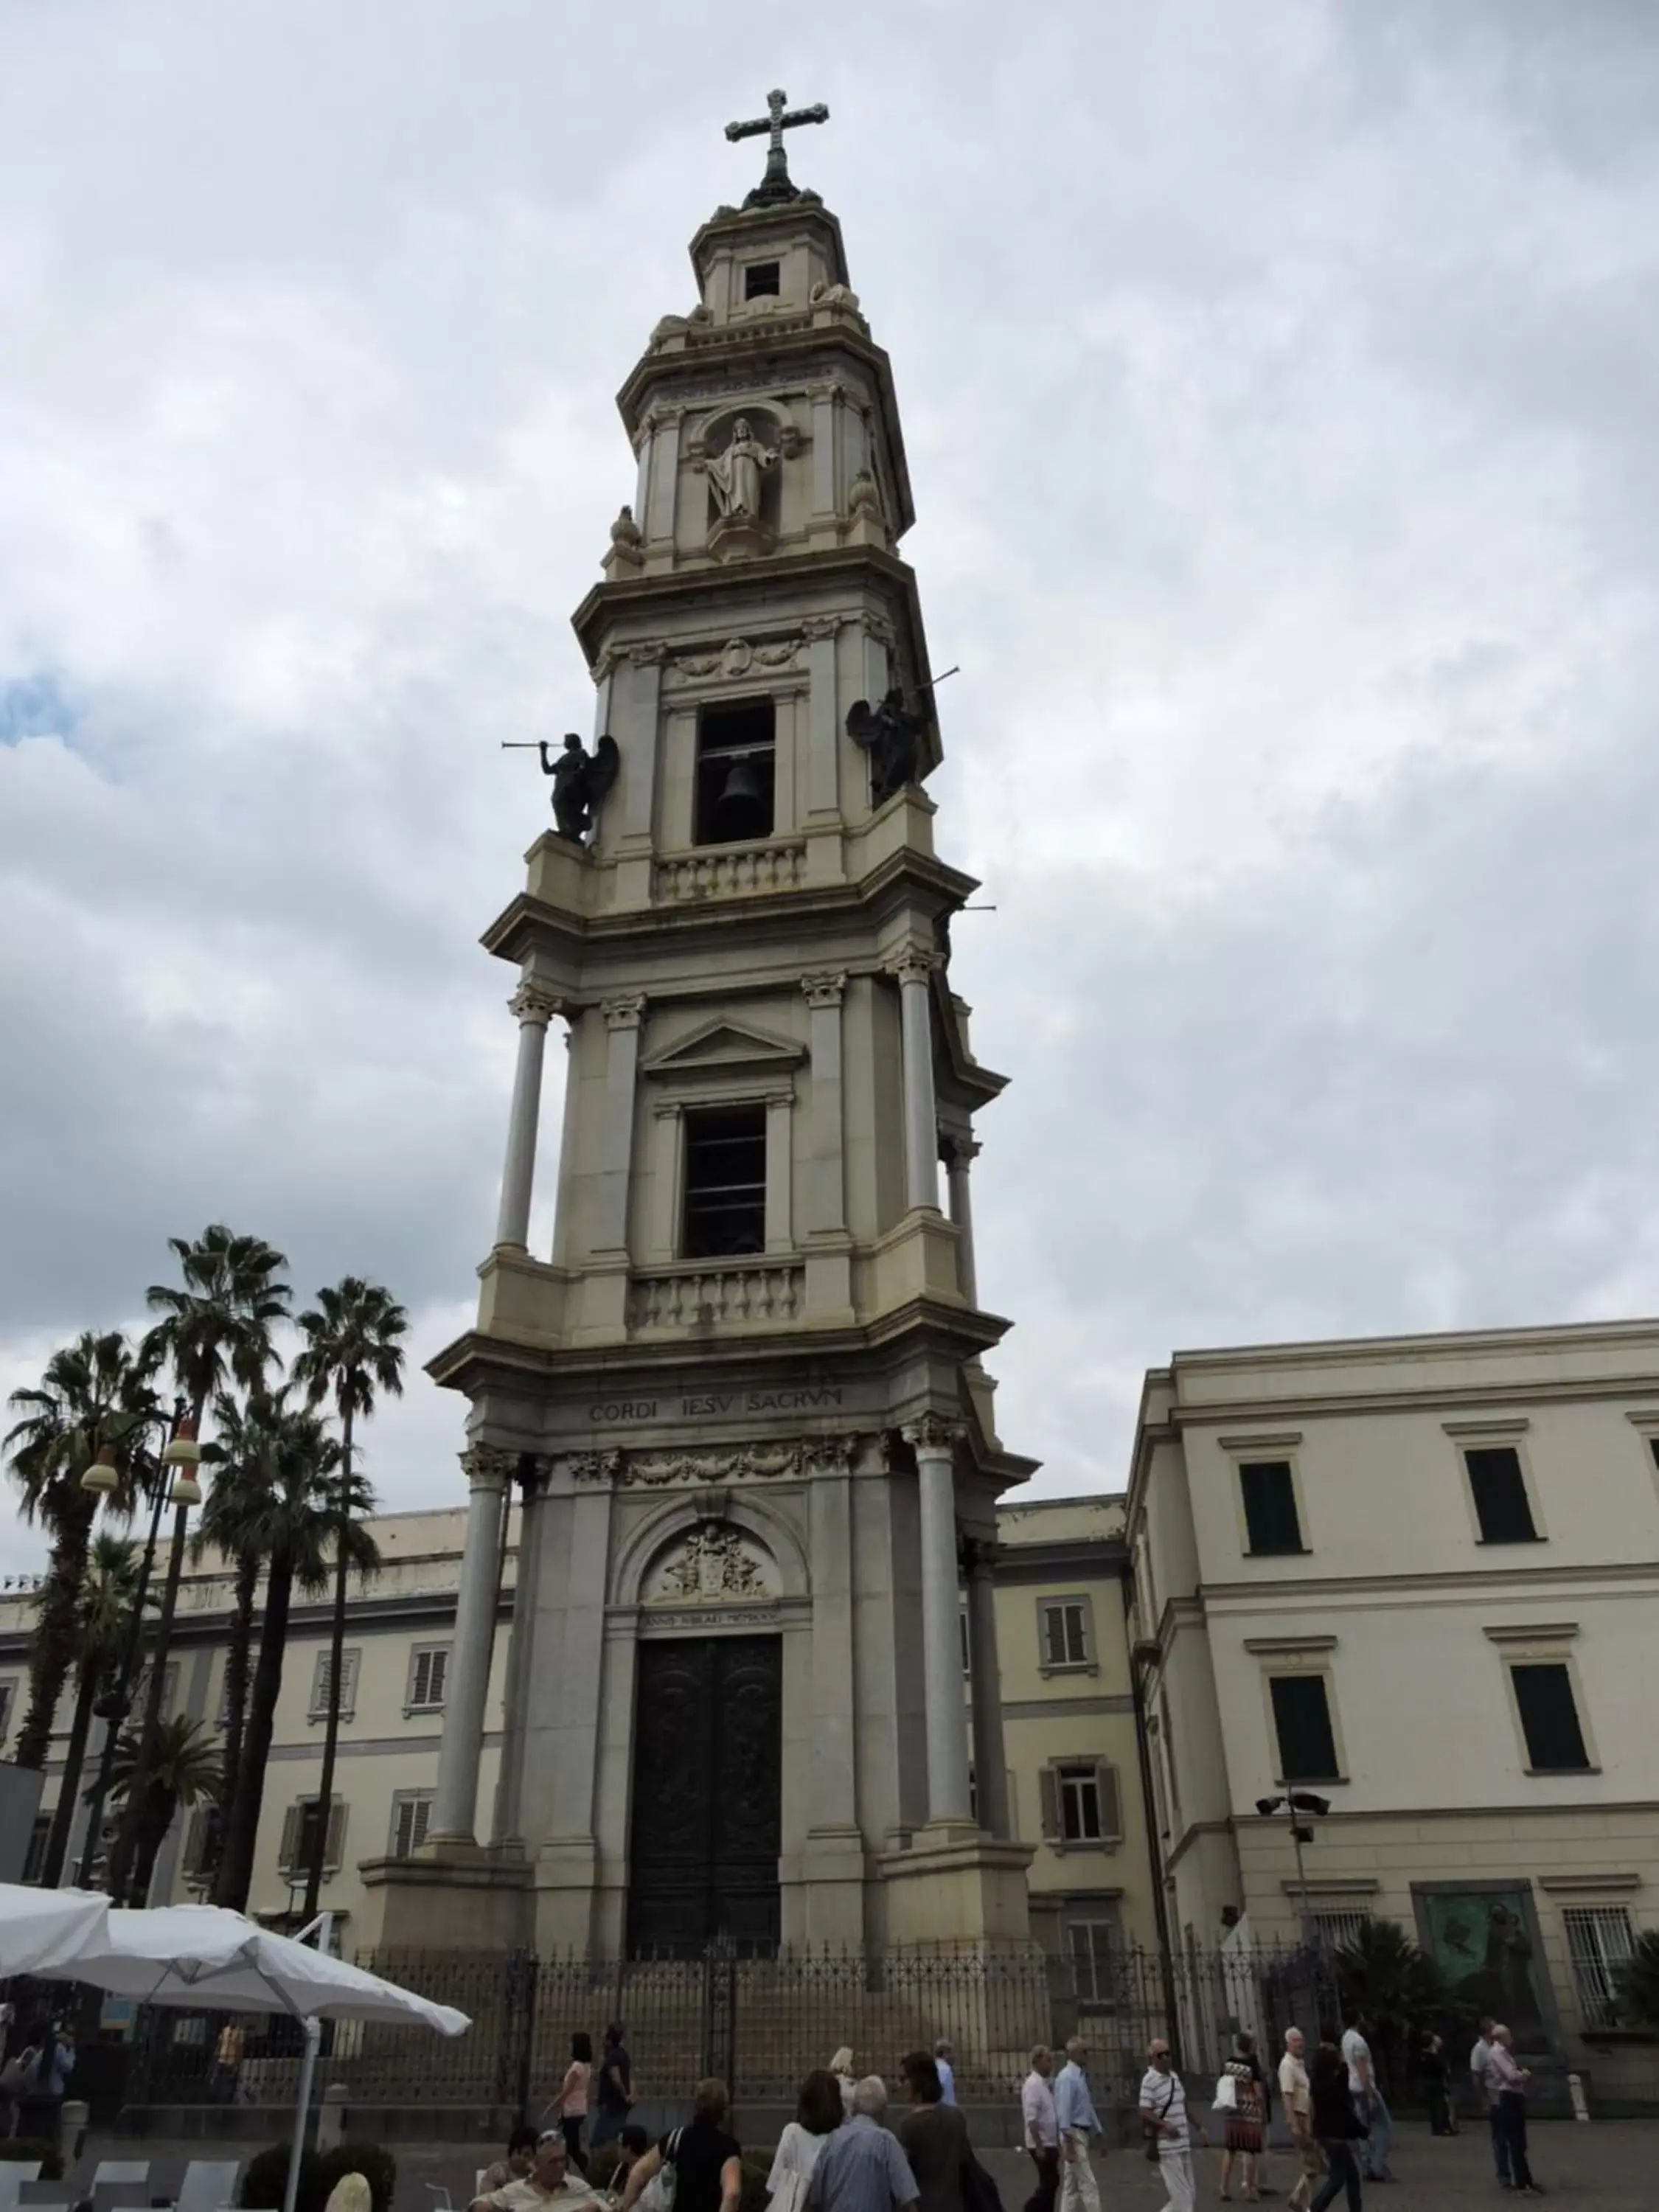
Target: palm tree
351	1350
103	1607
285	1509
92	1393
215	1327
1382	1974
243	1435
181	1771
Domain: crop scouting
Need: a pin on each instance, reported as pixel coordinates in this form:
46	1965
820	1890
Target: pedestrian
1163	2119
818	2113
569	2105
1487	2084
1079	2125
861	2168
1041	2129
945	2061
707	2160
45	2076
632	2144
614	2098
1245	2119
841	2066
1338	2125
933	2137
1298	2118
1432	2069
1512	2079
549	2186
1367	2094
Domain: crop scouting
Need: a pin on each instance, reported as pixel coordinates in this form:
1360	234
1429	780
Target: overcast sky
1279	393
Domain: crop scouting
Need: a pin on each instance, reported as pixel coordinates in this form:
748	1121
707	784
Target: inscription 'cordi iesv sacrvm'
704	1405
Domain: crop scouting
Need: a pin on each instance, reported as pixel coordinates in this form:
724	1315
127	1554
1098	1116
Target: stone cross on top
775	186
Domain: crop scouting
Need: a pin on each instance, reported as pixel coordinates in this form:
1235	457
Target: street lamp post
183	1455
1294	1803
116	1702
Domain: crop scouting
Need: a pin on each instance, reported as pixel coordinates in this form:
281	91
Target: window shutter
291	1823
336	1827
1077	1645
1111	1812
353	1661
1049	1802
1054	1635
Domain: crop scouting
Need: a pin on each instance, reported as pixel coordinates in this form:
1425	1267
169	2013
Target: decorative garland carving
652	1470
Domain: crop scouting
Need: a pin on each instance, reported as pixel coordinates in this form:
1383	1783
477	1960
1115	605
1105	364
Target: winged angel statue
891	734
580	781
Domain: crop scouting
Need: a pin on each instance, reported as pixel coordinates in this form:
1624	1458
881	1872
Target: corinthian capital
932	1433
825	988
963	1151
532	1004
914	965
647	656
623	1013
817	627
487	1467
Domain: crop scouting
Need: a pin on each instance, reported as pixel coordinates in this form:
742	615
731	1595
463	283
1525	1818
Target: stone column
826	1204
622	1017
455	1800
990	1756
912	970
961	1153
933	1442
507	1824
824	717
535	1008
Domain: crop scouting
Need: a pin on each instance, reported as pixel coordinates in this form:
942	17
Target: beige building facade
1418	1579
1072	1773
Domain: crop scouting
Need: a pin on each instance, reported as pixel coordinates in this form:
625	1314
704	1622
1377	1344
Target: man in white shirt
1372	2151
1484	2075
1163	2114
548	2187
1041	2129
946	2072
1297	2100
1079	2124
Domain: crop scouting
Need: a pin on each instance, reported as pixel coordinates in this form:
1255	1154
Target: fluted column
933	1442
535	1009
985	1675
960	1155
455	1800
912	970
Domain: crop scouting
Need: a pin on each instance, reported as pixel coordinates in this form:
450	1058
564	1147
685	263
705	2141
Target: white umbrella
203	1956
40	1929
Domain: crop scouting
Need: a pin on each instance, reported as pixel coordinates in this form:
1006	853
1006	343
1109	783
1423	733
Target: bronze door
706	1829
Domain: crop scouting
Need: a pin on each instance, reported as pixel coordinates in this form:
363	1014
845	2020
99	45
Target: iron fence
761	2024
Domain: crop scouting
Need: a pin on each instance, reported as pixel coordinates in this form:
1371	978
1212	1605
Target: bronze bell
742	809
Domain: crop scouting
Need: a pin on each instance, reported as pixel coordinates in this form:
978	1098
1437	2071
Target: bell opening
736	772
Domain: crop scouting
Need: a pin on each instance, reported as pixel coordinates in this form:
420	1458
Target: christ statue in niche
734	476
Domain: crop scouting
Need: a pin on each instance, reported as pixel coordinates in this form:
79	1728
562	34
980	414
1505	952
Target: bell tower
743	1391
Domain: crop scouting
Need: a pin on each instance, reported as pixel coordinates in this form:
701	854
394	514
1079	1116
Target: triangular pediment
724	1044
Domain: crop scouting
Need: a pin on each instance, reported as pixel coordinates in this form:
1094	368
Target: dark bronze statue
580	781
891	735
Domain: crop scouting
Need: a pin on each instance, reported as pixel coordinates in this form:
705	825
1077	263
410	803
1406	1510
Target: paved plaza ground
1611	2166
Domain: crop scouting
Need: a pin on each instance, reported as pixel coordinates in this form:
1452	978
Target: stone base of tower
453	1897
955	1884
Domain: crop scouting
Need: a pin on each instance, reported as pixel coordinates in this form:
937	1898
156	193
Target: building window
737	765
725	1183
411	1809
1064	1629
1333	1931
1080	1802
1600	1939
1549	1717
299	1843
203	1841
321	1685
7	1701
428	1670
1499	1490
762	280
1091	1941
1302	1720
35	1857
1271	1522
